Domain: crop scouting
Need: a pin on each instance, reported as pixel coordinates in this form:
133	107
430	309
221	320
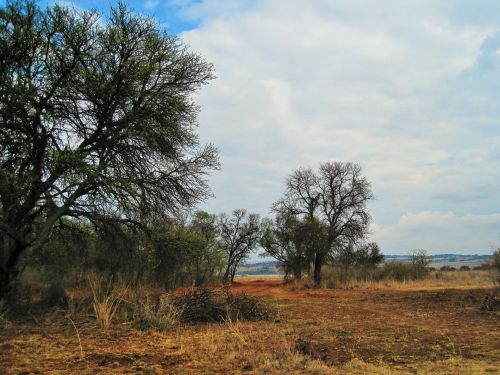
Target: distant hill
261	268
451	260
438	261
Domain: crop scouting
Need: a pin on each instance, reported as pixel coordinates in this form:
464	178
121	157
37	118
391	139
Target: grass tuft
106	299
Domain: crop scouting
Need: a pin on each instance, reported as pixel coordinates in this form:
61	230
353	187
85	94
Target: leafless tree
239	235
334	200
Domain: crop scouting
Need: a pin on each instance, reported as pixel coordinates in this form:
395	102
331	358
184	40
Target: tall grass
434	280
106	299
153	310
397	275
341	276
4	321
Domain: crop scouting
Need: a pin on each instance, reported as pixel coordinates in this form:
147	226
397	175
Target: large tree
332	203
96	121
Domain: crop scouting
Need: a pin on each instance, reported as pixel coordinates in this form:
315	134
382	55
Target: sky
410	90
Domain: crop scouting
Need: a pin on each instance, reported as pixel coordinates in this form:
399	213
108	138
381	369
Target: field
424	327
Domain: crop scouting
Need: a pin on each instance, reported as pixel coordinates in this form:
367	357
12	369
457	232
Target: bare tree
302	194
334	199
239	235
420	262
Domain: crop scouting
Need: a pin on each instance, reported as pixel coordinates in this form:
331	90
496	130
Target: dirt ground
318	331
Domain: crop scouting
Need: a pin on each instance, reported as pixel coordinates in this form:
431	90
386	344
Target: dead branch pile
490	303
245	307
217	305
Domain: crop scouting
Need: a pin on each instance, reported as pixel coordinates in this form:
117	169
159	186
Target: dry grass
106	299
4	321
435	280
356	331
148	309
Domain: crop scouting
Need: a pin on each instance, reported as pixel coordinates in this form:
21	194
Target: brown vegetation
364	330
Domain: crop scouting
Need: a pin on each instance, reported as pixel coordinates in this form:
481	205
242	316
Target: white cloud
407	90
440	232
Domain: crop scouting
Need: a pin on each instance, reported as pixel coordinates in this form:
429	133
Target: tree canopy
96	121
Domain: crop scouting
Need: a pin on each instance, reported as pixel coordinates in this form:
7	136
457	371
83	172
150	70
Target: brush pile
490	303
217	305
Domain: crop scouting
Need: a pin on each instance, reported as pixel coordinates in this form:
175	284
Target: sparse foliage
331	203
496	266
420	262
239	234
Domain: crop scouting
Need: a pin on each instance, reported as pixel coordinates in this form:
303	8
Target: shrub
419	261
484	267
447	268
496	265
153	310
400	271
334	276
54	296
201	305
490	303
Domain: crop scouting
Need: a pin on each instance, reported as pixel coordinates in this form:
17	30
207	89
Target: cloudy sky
410	91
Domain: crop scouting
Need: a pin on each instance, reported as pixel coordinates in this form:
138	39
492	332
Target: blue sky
168	13
410	90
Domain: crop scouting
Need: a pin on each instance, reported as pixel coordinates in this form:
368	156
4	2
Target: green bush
401	271
496	266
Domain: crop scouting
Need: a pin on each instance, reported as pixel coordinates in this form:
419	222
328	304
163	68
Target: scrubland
433	326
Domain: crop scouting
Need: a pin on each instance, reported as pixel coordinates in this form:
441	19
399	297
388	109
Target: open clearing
319	331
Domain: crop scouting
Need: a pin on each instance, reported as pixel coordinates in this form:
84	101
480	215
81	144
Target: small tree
369	255
496	266
239	234
96	123
420	262
358	261
283	240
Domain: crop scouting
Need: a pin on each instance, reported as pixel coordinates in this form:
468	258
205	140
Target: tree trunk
227	273
233	272
5	284
297	272
318	262
10	251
